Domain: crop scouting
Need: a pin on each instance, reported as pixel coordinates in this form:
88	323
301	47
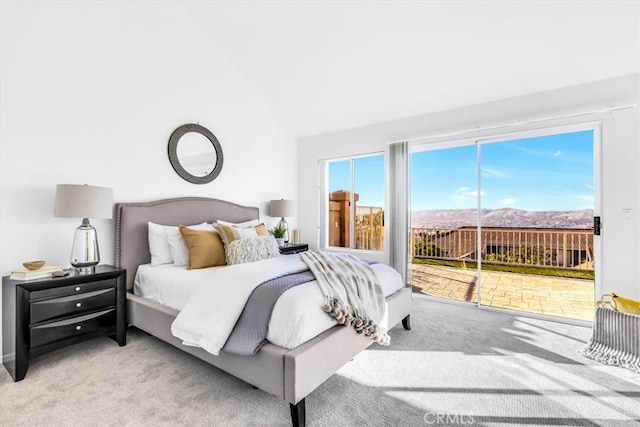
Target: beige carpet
458	366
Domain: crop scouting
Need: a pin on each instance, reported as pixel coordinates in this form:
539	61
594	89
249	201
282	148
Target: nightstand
293	249
41	315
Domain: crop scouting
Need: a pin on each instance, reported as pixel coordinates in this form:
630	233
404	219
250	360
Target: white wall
91	92
621	175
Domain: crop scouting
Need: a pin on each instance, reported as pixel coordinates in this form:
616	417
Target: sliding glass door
508	222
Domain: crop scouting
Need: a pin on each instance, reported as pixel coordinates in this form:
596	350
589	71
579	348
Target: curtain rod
517	123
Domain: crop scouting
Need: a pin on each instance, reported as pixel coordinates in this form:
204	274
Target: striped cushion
615	339
230	233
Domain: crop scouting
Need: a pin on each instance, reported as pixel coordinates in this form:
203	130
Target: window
355	200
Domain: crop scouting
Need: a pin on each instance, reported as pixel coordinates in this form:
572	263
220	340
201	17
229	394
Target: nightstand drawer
72	304
69	328
72	289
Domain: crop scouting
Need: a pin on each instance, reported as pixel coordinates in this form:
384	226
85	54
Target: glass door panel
444	222
537	203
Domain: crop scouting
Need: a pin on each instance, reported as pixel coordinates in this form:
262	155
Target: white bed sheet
297	315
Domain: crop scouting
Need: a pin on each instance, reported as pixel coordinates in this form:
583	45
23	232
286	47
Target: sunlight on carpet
458	363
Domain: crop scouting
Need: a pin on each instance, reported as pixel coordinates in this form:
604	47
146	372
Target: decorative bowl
33	265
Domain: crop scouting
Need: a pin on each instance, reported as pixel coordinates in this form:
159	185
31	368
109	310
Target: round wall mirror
195	154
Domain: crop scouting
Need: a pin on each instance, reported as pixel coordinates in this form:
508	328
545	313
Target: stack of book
41	273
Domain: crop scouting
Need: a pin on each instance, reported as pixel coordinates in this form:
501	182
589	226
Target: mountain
505	217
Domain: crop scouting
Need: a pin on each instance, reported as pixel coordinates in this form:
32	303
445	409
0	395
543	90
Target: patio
571	298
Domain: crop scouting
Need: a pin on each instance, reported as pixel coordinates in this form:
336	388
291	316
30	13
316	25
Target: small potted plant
279	232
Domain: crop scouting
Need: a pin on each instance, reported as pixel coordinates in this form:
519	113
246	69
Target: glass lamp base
84	270
85	254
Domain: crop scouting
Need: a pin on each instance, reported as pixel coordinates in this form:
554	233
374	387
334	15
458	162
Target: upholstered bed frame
289	375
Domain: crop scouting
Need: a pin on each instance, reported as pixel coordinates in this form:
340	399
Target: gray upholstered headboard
132	242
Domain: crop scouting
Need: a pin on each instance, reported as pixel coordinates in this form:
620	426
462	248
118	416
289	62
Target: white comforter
297	316
207	319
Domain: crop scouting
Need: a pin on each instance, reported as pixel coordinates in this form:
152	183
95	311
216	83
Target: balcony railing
369	228
560	248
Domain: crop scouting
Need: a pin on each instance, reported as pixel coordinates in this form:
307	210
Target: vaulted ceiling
324	66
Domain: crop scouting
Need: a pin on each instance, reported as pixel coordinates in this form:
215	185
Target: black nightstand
41	315
293	249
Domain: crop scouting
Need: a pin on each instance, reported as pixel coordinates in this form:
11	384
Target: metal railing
560	248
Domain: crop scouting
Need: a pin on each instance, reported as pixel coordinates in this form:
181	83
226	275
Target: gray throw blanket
615	339
353	294
250	331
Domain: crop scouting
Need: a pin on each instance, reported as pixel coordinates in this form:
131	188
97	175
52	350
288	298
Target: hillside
505	217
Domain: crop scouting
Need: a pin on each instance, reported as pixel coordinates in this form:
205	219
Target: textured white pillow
250	223
179	250
250	250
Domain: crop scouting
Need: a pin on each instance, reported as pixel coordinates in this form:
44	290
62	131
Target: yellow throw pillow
205	248
627	305
618	303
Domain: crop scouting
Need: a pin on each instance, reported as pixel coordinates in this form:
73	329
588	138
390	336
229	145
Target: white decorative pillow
253	249
177	246
159	245
249	223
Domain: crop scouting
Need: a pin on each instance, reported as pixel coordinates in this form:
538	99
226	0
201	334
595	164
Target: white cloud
508	201
492	173
467	192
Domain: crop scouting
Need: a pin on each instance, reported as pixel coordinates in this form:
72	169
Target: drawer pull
78	304
77	288
78	327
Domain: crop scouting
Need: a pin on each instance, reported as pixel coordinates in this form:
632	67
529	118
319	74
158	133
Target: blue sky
369	179
544	173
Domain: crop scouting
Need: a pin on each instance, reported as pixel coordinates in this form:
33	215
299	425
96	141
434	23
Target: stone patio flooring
572	298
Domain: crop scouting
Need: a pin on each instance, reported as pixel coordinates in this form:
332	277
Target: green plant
278	231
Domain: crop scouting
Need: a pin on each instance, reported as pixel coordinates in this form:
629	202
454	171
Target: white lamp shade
282	208
83	201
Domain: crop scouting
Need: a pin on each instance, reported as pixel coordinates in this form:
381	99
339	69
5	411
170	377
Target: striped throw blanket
615	339
353	294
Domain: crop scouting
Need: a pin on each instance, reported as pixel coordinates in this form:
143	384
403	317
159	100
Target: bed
287	374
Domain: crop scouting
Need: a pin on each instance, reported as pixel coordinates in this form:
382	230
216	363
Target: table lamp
84	201
282	208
